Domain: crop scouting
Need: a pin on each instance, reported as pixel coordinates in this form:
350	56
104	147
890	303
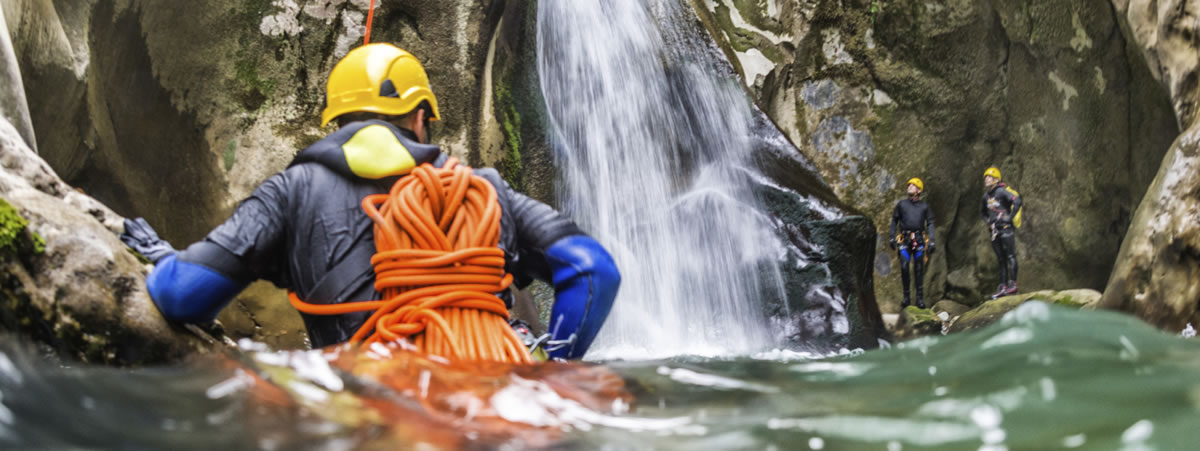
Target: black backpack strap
345	278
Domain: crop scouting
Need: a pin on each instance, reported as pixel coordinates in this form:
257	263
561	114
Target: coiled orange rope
438	266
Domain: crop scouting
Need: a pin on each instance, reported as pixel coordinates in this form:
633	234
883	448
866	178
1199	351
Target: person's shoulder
492	176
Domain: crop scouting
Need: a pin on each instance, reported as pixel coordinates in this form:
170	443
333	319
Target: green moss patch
511	166
15	236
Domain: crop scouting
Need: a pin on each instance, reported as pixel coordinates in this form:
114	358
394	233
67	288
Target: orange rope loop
439	267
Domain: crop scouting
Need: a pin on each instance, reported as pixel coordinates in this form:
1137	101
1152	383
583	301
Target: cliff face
879	92
1157	273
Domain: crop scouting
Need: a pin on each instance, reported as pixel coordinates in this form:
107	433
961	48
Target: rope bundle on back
438	266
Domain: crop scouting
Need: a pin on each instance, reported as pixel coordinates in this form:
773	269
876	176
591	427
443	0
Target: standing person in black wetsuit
1002	212
914	217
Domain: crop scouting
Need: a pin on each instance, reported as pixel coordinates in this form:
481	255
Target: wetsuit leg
919	274
904	259
998	247
1009	242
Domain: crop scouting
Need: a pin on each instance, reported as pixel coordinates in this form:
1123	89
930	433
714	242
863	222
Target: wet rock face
1157	272
66	280
878	92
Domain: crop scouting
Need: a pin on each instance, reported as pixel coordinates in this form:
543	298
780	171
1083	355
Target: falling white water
654	147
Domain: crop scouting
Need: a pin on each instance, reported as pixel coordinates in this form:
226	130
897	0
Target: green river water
1045	377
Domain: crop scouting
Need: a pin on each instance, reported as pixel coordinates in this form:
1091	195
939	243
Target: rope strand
370	15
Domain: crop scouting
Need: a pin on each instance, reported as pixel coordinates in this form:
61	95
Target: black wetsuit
914	219
1000	204
296	229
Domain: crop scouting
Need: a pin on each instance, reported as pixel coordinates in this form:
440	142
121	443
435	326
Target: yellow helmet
377	78
992	171
916	181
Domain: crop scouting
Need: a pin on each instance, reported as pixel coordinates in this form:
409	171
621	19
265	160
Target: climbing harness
439	268
913	242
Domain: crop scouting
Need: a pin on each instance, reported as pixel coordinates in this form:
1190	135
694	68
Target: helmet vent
388	89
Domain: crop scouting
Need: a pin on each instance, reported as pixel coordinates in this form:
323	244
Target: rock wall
1157	272
876	92
13	107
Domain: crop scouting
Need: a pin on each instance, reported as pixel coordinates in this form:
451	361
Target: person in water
1001	211
304	228
914	239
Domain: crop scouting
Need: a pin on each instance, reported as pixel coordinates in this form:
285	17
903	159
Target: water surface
1045	377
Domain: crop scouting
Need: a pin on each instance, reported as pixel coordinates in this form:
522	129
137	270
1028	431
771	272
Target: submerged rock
948	316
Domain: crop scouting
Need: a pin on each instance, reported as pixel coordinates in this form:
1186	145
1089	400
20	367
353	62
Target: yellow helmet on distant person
377	78
992	171
916	181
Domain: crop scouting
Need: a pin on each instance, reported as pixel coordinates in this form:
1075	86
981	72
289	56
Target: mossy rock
917	322
991	311
951	308
16	239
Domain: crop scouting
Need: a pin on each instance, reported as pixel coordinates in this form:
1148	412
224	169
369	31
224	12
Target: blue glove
585	284
189	292
142	238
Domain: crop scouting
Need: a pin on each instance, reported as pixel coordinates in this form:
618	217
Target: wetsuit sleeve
195	284
983	210
585	285
584	275
537	227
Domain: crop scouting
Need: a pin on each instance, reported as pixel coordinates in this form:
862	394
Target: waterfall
654	150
